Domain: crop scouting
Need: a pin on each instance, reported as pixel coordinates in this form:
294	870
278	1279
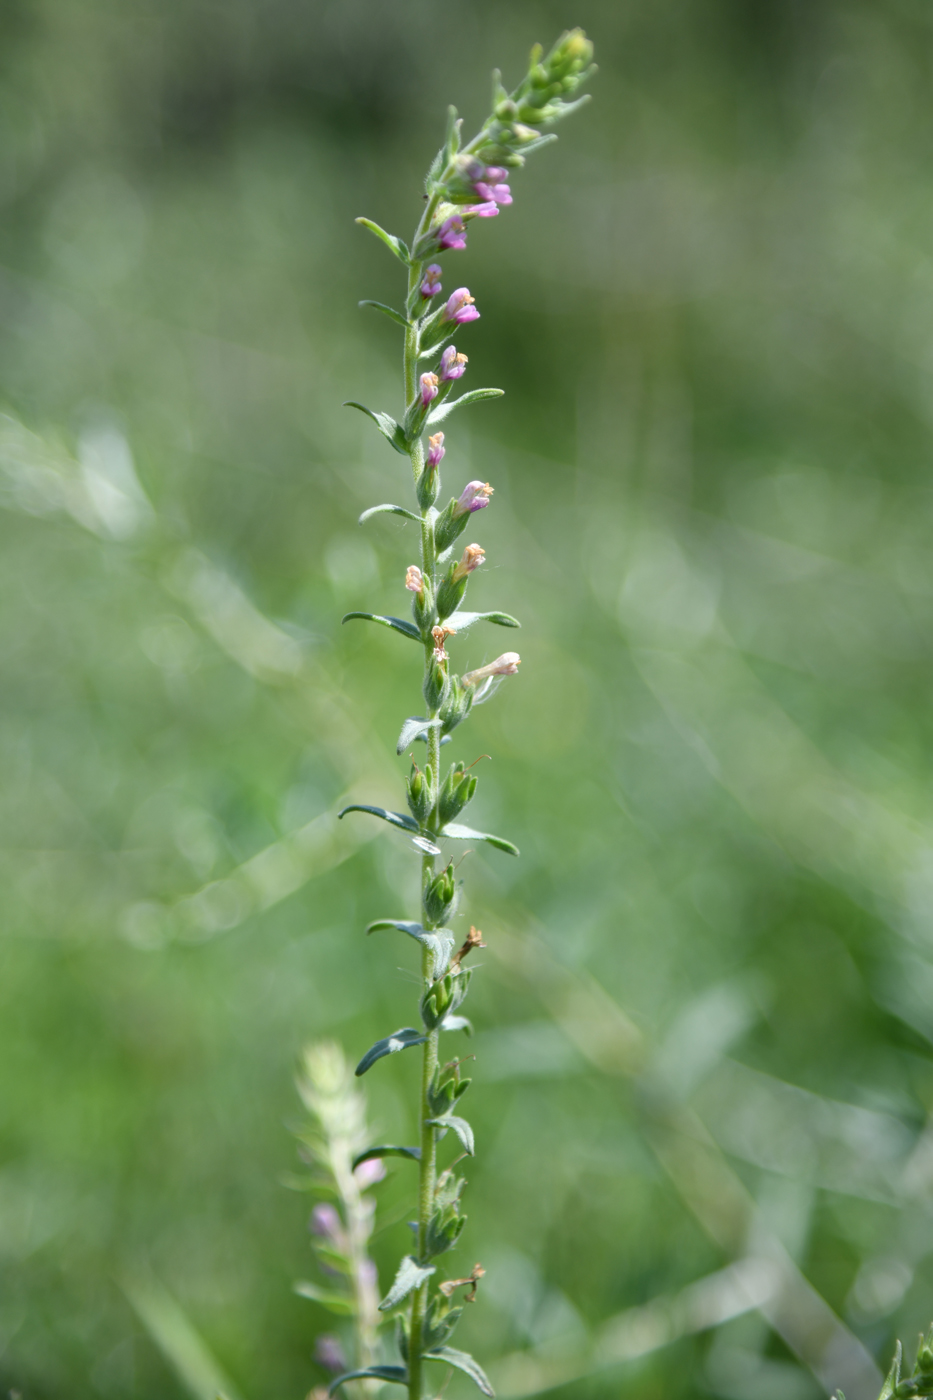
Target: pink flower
368	1173
436	450
487	210
474	496
326	1222
432	281
452	364
414	580
498	194
452	233
505	665
460	307
429	389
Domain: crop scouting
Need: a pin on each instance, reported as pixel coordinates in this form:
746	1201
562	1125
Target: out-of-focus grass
704	1027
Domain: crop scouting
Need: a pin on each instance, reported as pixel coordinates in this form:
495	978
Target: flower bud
453	586
436	684
422	604
456	706
431	282
429	482
445	996
474	496
436	448
445	1089
420	793
428	389
439	896
458	789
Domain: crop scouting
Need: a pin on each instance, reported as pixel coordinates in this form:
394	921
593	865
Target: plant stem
428	1135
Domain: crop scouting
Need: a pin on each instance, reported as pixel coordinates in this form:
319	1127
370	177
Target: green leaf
397	245
387	426
413	728
341	1303
456	1023
464	1362
410	1276
440	941
460	1126
413	1153
398	1040
894	1375
462	620
338	1262
396	1374
398	624
393	510
387	311
393	818
474	396
466	833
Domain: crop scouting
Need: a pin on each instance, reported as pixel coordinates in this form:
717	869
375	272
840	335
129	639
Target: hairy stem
428	1138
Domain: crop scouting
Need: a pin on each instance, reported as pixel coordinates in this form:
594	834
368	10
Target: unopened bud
439	896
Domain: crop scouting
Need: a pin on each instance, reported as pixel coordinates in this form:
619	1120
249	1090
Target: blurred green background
705	1019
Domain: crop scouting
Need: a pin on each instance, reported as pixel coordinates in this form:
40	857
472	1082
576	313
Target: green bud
456	705
422	607
925	1358
505	111
445	1090
449	526
446	1222
439	897
429	484
436	685
457	791
445	996
420	793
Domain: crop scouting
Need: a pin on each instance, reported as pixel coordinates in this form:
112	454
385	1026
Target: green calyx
420	793
446	1222
440	896
445	996
458	789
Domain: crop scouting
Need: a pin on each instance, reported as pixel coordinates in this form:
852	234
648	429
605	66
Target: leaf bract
401	819
391	1045
474	396
410	1276
458	1125
439	941
464	1362
396	245
390	430
393	315
386	1150
467	833
341	1303
398	624
460	621
414	728
390	509
396	1374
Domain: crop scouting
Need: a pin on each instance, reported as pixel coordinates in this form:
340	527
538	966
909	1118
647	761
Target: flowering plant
464	183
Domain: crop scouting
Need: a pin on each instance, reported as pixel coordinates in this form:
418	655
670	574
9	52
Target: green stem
428	1135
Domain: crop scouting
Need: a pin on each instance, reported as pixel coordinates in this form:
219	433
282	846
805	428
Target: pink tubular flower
326	1222
436	450
460	307
487	210
414	580
432	281
329	1353
368	1173
474	496
452	364
452	233
505	665
473	556
498	194
429	389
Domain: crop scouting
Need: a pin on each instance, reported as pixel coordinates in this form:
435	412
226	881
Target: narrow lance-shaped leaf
398	624
396	245
466	833
391	510
460	621
474	396
398	1040
412	729
460	1126
396	1374
387	425
386	1150
401	819
439	941
410	1276
387	311
464	1362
